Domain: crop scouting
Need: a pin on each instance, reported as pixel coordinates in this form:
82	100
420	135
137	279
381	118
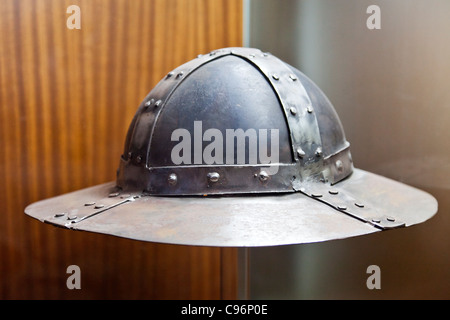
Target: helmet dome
236	120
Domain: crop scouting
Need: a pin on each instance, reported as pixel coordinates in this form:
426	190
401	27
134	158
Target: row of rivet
156	104
152	101
357	204
214	177
171	74
335	192
146	105
292	76
293	111
92	204
301	153
390	219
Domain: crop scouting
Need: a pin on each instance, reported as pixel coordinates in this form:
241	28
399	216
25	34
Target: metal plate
253	220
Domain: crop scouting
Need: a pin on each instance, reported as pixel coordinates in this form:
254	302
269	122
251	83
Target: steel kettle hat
237	148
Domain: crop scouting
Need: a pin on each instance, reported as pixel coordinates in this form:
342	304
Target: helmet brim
244	220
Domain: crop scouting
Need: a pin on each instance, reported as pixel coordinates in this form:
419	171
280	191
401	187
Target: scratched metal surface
264	220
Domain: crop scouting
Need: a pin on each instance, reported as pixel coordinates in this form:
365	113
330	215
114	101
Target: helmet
237	148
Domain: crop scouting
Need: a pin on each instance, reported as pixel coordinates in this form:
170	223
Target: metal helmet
237	148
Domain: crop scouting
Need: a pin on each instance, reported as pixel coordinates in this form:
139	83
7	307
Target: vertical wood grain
66	100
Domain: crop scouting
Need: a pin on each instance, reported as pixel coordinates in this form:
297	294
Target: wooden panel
66	100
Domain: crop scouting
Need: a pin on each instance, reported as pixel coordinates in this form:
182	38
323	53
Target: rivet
212	53
149	102
391	219
113	195
59	214
265	54
180	74
360	205
333	192
71	217
342	207
170	74
263	176
158	103
172	179
126	195
233	51
309	109
293	111
339	165
300	153
99	206
199	55
316	195
138	159
293	77
213	177
89	203
318	152
275	76
376	220
251	55
129	155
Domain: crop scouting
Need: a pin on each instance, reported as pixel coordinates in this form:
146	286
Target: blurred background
390	89
68	96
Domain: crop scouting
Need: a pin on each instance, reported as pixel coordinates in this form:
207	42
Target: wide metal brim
363	203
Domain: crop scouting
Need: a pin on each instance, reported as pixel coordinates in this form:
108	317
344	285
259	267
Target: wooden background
66	100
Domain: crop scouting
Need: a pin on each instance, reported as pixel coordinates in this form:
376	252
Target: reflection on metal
243	274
